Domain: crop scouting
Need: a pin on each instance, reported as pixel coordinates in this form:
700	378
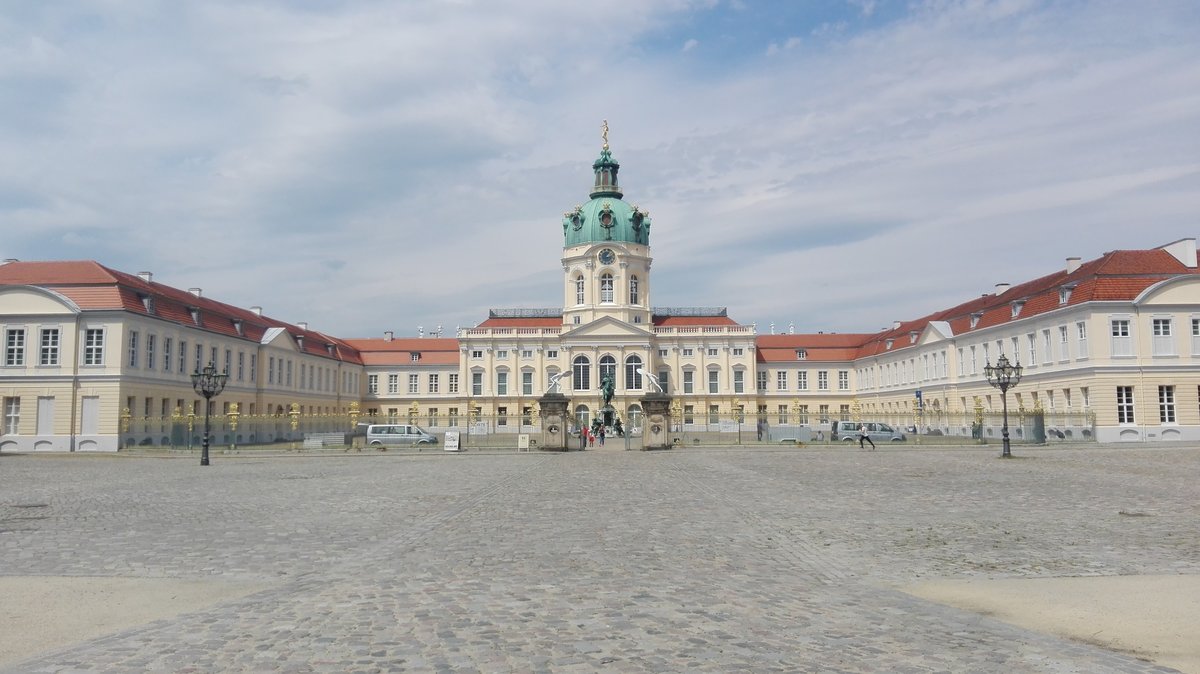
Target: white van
393	435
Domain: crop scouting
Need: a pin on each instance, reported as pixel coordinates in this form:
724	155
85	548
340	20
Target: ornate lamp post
208	383
1003	375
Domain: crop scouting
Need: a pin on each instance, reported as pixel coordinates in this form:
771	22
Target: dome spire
606	170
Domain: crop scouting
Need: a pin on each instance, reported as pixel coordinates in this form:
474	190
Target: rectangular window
739	381
781	380
688	384
1163	337
714	414
801	381
477	383
393	384
824	412
527	383
687	353
372	384
289	368
167	344
1122	341
50	343
241	371
552	353
761	380
781	411
844	412
501	416
662	379
254	367
12	415
526	353
1064	351
843	380
1166	404
689	414
712	353
804	414
713	379
823	380
150	339
133	348
739	351
228	361
501	383
199	357
452	416
1125	404
1031	339
434	384
414	384
93	346
1047	354
183	356
433	416
1081	340
1196	336
452	383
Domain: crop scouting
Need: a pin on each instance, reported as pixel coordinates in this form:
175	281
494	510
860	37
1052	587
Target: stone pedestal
656	428
555	426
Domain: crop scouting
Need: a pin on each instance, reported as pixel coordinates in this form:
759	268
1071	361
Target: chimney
420	332
772	327
1002	288
1183	250
303	325
1072	264
194	291
895	325
792	328
147	276
257	311
388	336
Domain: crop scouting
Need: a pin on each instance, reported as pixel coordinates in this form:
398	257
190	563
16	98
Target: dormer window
148	303
330	348
801	354
912	336
975	318
195	313
300	342
887	344
1064	293
237	326
1016	307
416	357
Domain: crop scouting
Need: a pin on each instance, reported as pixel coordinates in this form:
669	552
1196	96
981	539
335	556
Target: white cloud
368	169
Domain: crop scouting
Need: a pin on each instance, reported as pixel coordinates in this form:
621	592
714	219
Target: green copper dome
606	217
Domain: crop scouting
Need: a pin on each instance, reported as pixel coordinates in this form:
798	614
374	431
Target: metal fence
343	431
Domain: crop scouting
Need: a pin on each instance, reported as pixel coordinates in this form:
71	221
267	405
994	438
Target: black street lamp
1003	375
208	383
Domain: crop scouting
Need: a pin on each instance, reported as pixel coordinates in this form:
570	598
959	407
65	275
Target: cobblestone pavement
699	560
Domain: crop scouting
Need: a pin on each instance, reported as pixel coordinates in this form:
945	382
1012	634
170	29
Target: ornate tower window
606	288
633	289
581	373
608	367
633	378
579	289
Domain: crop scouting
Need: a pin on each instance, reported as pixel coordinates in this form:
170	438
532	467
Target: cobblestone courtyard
706	560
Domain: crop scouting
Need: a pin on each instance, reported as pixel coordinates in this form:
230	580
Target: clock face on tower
607	256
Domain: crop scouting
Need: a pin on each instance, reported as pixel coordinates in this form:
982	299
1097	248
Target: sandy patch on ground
42	613
1152	617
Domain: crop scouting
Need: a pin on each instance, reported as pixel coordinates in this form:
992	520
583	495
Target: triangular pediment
279	337
606	328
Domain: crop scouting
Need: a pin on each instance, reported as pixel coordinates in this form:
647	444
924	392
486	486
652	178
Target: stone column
656	428
555	426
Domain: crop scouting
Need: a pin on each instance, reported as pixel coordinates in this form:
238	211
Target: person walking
862	435
603	431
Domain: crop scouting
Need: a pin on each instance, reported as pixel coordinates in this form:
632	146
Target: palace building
97	359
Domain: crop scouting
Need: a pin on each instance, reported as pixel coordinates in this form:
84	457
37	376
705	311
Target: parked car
848	431
390	435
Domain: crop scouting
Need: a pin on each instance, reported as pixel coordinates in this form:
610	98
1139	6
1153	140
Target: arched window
633	378
608	366
581	373
606	288
633	289
579	289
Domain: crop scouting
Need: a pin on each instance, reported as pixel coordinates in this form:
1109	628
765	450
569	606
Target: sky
812	165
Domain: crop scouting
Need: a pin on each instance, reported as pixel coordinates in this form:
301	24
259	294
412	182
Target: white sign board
523	442
451	441
728	426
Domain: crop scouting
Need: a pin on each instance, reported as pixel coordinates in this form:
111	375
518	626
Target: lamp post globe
208	383
1003	375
